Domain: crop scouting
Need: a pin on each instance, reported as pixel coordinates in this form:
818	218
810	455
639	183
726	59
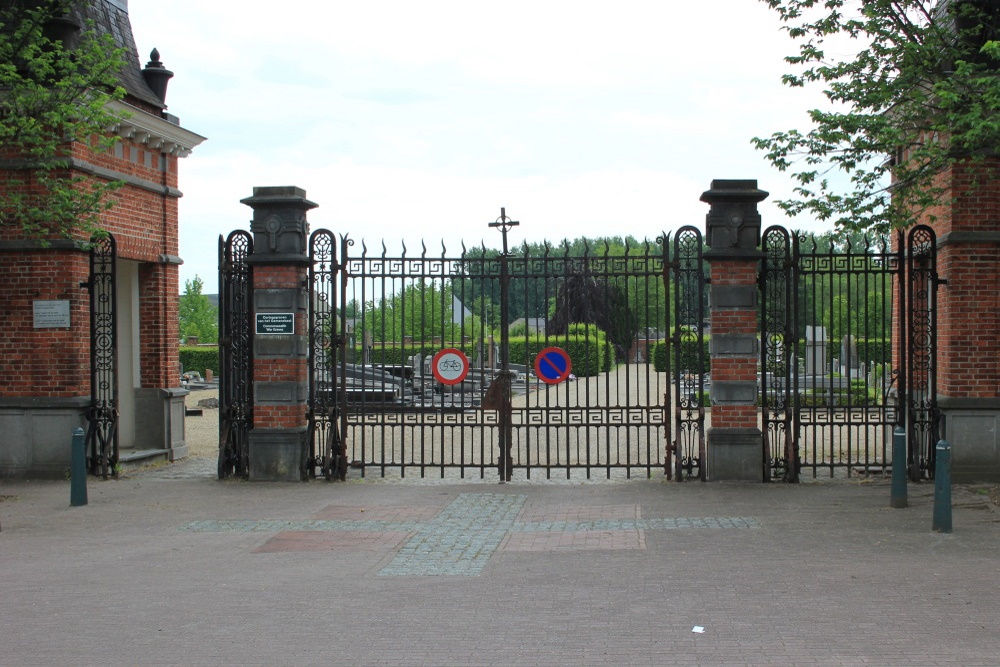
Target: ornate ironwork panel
236	354
688	371
778	352
327	336
102	435
605	306
922	414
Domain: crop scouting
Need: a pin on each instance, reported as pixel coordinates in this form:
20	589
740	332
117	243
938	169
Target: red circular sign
450	366
552	365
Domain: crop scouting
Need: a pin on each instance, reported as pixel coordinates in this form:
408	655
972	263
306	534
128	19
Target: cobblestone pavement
171	567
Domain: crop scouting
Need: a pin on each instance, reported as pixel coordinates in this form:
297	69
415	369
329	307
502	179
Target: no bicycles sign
450	366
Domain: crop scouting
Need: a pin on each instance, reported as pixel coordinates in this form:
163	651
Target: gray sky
419	120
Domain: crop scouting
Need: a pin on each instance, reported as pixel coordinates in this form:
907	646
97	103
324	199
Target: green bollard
942	488
897	496
78	470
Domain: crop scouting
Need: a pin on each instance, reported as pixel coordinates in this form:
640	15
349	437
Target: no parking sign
552	365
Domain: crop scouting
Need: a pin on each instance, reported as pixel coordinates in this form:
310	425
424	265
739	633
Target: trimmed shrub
590	354
689	355
200	358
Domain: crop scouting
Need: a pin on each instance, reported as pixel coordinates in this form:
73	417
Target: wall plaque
51	314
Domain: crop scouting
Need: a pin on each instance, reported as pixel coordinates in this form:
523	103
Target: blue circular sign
552	365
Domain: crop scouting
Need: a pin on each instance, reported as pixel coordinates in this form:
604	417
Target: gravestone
816	342
477	361
849	357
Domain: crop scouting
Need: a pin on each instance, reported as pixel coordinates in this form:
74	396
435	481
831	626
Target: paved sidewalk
169	567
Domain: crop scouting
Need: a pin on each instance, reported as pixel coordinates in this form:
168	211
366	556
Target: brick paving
166	568
460	538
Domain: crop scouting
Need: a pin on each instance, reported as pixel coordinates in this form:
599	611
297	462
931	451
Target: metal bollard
942	488
78	470
897	496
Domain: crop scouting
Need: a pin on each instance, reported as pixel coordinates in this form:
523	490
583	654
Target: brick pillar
967	224
278	447
735	443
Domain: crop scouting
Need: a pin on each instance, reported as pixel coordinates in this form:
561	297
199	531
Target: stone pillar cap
734	190
278	195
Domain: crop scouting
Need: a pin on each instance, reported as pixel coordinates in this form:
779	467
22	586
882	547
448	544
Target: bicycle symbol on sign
450	366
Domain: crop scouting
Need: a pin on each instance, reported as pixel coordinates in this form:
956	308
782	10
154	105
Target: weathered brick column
278	447
735	444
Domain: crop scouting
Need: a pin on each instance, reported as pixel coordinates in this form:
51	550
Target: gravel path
202	432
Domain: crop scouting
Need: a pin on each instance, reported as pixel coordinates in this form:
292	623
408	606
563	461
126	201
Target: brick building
47	347
967	225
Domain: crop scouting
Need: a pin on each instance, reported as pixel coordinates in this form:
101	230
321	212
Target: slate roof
111	17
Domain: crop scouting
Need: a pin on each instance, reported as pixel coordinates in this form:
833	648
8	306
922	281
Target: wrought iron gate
326	359
689	354
102	431
847	353
378	319
919	336
235	354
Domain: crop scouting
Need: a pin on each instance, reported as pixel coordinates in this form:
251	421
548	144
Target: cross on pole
505	462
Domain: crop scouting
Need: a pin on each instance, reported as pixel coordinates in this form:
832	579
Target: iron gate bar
688	377
102	431
235	354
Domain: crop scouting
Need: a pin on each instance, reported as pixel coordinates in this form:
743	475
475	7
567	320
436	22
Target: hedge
689	355
584	351
589	355
391	355
200	359
878	350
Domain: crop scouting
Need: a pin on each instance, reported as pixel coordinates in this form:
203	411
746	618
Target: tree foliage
198	317
537	270
920	94
56	79
422	311
583	299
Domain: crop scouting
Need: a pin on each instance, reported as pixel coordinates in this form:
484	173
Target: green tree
538	268
56	78
921	94
588	299
198	317
422	311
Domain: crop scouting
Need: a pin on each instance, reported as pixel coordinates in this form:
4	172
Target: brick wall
967	225
47	362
